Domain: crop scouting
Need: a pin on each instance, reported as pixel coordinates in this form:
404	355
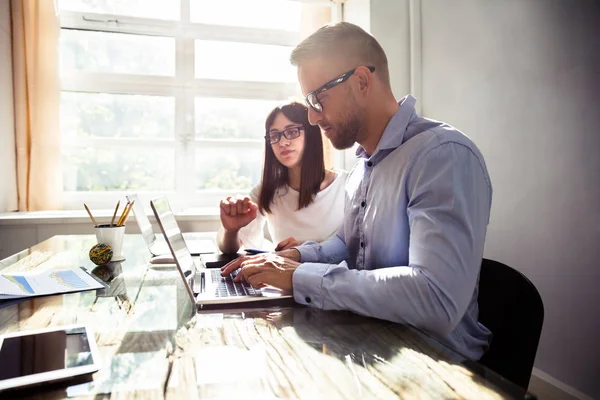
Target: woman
298	198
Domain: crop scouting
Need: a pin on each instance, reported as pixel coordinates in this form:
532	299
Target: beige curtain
35	32
313	17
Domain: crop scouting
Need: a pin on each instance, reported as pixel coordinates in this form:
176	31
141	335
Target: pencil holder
112	236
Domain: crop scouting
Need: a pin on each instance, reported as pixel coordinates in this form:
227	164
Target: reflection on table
154	343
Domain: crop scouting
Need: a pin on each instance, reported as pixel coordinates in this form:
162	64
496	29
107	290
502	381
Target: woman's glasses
289	133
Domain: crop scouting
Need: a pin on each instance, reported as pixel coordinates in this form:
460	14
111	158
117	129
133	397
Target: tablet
46	355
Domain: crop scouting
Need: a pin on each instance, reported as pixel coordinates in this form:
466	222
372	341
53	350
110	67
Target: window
170	97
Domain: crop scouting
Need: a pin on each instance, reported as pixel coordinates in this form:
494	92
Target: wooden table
155	344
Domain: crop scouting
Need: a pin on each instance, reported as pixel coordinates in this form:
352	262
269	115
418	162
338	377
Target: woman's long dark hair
275	174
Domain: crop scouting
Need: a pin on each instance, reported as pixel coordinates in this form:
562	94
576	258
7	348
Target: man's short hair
343	40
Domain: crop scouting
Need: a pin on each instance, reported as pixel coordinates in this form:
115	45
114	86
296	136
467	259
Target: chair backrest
511	307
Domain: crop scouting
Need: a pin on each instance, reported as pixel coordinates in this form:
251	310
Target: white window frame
183	87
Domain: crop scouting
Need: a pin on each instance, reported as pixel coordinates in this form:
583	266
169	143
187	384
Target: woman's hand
237	213
287	243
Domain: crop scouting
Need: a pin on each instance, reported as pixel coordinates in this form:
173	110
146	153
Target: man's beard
347	132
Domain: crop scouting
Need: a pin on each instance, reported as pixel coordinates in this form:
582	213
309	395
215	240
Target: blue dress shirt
411	243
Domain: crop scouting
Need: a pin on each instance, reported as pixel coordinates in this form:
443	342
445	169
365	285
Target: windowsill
80	216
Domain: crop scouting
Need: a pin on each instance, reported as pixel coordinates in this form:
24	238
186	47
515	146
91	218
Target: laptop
204	286
158	247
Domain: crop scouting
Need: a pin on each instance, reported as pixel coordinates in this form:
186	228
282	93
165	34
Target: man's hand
237	212
291	254
264	270
287	243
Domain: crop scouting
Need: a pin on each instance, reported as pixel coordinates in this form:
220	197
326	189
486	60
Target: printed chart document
31	284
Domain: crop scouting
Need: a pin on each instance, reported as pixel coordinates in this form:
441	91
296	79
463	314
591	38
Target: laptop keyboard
228	288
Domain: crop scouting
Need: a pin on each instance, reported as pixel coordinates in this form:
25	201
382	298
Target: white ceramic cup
112	236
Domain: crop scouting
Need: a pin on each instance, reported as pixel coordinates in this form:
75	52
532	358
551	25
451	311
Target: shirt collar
393	135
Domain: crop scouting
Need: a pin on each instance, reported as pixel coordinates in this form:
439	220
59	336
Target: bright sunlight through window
170	97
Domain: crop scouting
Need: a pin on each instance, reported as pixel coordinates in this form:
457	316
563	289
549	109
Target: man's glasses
312	98
289	133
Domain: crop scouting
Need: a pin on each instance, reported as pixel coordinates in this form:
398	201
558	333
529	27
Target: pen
255	251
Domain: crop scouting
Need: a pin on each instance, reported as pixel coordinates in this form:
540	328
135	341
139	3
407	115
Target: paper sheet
45	283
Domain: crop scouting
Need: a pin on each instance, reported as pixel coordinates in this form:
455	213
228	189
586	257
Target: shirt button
363	203
307	299
362	245
369	164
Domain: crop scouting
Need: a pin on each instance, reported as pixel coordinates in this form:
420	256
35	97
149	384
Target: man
417	206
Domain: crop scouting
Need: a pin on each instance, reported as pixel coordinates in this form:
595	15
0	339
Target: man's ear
364	78
363	84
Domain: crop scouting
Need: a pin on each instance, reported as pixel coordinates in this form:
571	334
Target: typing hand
237	212
287	243
264	270
290	254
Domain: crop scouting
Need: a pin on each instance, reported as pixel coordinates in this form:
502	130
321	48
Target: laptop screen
142	220
173	235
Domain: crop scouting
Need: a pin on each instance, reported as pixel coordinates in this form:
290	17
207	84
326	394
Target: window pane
232	118
102	169
116	53
116	116
162	9
244	61
270	14
237	169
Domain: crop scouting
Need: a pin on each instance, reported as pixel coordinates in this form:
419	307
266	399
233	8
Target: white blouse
317	222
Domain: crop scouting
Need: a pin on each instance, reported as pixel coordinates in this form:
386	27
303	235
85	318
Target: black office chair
511	307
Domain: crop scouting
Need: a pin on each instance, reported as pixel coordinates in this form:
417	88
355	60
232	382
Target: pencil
127	213
112	221
90	214
122	214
